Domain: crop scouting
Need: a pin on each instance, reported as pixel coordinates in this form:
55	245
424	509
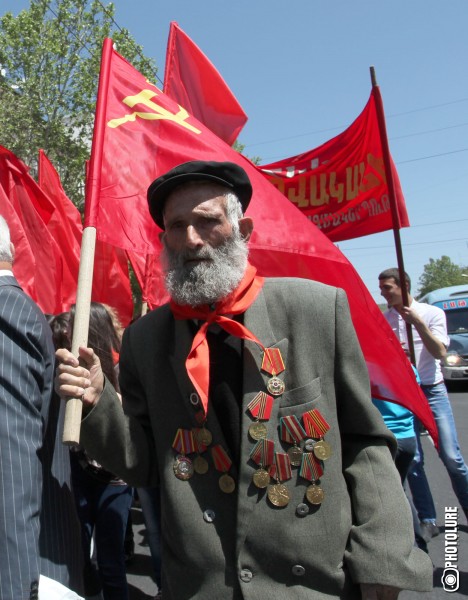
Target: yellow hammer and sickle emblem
144	97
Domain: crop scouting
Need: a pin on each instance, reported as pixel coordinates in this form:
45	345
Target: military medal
278	494
276	386
312	470
223	463
183	467
260	409
291	431
322	450
315	494
316	427
183	444
200	465
263	455
257	431
227	484
203	436
261	478
272	363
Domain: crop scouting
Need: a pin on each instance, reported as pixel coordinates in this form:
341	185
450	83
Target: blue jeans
449	452
103	509
151	508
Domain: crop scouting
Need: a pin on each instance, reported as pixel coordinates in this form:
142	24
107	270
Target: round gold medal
315	494
204	436
200	465
295	455
258	431
278	495
261	478
183	468
322	450
275	386
227	484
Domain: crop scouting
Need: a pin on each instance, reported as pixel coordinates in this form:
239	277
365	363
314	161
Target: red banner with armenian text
341	186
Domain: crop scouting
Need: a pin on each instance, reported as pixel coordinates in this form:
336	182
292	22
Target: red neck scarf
198	360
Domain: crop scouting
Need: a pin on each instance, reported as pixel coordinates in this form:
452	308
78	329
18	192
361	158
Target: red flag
111	280
193	82
65	227
24	265
155	135
341	185
34	211
111	283
150	277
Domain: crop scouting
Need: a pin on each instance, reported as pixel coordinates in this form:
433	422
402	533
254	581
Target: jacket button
209	515
246	575
298	570
302	510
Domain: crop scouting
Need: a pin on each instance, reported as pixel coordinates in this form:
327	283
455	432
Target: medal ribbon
310	469
272	361
291	426
263	453
283	466
260	407
314	424
198	360
221	460
184	442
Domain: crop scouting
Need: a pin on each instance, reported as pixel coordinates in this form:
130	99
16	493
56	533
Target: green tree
439	273
49	61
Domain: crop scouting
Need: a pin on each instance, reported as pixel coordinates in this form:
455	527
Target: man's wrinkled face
194	217
205	255
391	291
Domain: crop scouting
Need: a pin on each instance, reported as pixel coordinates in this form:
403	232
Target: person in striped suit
38	525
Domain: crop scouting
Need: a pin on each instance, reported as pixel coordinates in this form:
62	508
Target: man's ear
246	227
162	235
12	250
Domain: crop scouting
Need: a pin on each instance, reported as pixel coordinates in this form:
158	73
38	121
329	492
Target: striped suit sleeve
25	387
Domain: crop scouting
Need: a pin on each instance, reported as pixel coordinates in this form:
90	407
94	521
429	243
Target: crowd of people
240	412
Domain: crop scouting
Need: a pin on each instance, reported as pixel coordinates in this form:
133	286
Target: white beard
209	281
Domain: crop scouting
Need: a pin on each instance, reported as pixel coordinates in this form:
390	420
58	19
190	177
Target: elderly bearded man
247	400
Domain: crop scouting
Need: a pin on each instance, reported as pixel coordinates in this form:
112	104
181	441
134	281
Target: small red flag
192	80
341	185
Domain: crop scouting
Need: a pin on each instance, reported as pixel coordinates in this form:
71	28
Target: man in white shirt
429	328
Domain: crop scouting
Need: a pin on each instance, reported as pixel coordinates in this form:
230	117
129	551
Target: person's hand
75	380
375	591
409	315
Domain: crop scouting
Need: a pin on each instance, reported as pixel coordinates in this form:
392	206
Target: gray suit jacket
361	533
38	521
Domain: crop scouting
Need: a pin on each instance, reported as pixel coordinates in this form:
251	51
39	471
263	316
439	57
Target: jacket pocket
304	397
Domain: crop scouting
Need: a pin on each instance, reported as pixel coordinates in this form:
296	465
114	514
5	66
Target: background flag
34	211
341	185
111	282
193	82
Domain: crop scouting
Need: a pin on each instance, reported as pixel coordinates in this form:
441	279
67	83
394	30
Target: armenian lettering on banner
341	185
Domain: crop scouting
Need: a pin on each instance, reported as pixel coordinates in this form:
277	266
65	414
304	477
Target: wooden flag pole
393	204
74	406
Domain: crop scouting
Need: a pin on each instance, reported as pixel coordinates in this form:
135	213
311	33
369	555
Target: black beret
227	174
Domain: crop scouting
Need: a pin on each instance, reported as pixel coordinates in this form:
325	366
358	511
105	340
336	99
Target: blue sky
301	72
